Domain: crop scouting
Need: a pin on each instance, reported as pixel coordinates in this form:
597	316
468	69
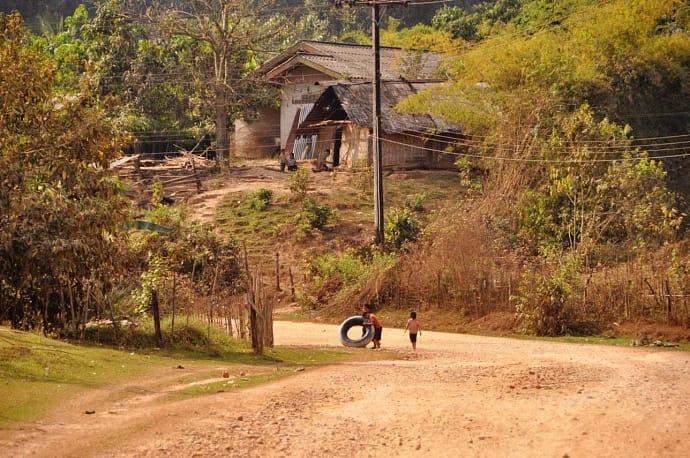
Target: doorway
337	141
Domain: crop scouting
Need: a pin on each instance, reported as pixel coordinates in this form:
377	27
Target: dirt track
459	395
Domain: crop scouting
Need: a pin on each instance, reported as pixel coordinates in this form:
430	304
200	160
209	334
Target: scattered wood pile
181	176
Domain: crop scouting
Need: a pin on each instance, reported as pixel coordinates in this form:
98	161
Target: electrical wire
537	160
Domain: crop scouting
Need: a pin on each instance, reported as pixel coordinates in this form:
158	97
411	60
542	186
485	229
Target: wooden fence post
277	271
292	283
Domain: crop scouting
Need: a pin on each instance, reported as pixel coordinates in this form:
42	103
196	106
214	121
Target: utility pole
376	107
376	126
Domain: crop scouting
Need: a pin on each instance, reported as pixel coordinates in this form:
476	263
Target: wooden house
343	113
303	72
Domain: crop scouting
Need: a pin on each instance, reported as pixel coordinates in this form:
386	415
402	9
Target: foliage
68	48
543	306
617	57
545	99
415	202
227	36
261	199
190	249
60	204
592	199
334	277
417	37
151	281
314	216
480	22
401	228
347	267
193	336
134	65
299	184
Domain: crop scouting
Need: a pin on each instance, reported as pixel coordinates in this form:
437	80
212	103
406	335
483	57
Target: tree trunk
156	318
222	139
172	319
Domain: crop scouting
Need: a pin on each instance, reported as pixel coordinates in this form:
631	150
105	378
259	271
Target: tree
604	192
229	34
60	204
189	250
550	97
147	74
479	23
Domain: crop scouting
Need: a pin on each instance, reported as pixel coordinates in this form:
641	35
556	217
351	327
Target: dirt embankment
458	395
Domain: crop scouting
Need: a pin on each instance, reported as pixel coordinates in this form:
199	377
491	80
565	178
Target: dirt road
458	395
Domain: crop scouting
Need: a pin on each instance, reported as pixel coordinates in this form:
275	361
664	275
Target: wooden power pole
376	106
376	126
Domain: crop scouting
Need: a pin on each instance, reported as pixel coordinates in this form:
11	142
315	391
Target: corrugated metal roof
356	62
353	102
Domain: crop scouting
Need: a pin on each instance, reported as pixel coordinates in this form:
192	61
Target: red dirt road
459	395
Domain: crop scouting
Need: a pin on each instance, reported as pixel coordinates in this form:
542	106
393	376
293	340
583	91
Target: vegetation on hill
568	210
577	113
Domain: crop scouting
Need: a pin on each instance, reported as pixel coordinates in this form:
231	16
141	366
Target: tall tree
60	206
230	34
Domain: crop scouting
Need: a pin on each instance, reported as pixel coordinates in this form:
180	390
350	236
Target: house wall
439	160
260	138
355	149
404	151
304	86
397	150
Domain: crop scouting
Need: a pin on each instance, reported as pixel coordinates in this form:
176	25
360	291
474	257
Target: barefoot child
377	328
413	328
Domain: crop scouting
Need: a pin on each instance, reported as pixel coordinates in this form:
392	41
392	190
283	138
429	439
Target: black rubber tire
356	321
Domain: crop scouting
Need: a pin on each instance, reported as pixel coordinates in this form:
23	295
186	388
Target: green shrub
314	216
299	184
544	307
545	313
339	277
189	335
415	202
348	267
261	199
401	227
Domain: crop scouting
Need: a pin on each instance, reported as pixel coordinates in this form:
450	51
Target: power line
538	160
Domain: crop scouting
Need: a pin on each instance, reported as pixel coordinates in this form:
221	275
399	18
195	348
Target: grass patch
621	341
228	384
37	373
439	187
241	217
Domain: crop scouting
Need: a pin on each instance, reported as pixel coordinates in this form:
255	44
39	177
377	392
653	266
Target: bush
299	184
195	335
415	202
401	227
314	216
544	305
261	199
348	278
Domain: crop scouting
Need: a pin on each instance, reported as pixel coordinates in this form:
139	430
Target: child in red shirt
378	329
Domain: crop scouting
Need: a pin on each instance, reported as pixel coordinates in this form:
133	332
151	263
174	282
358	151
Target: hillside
348	193
273	236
